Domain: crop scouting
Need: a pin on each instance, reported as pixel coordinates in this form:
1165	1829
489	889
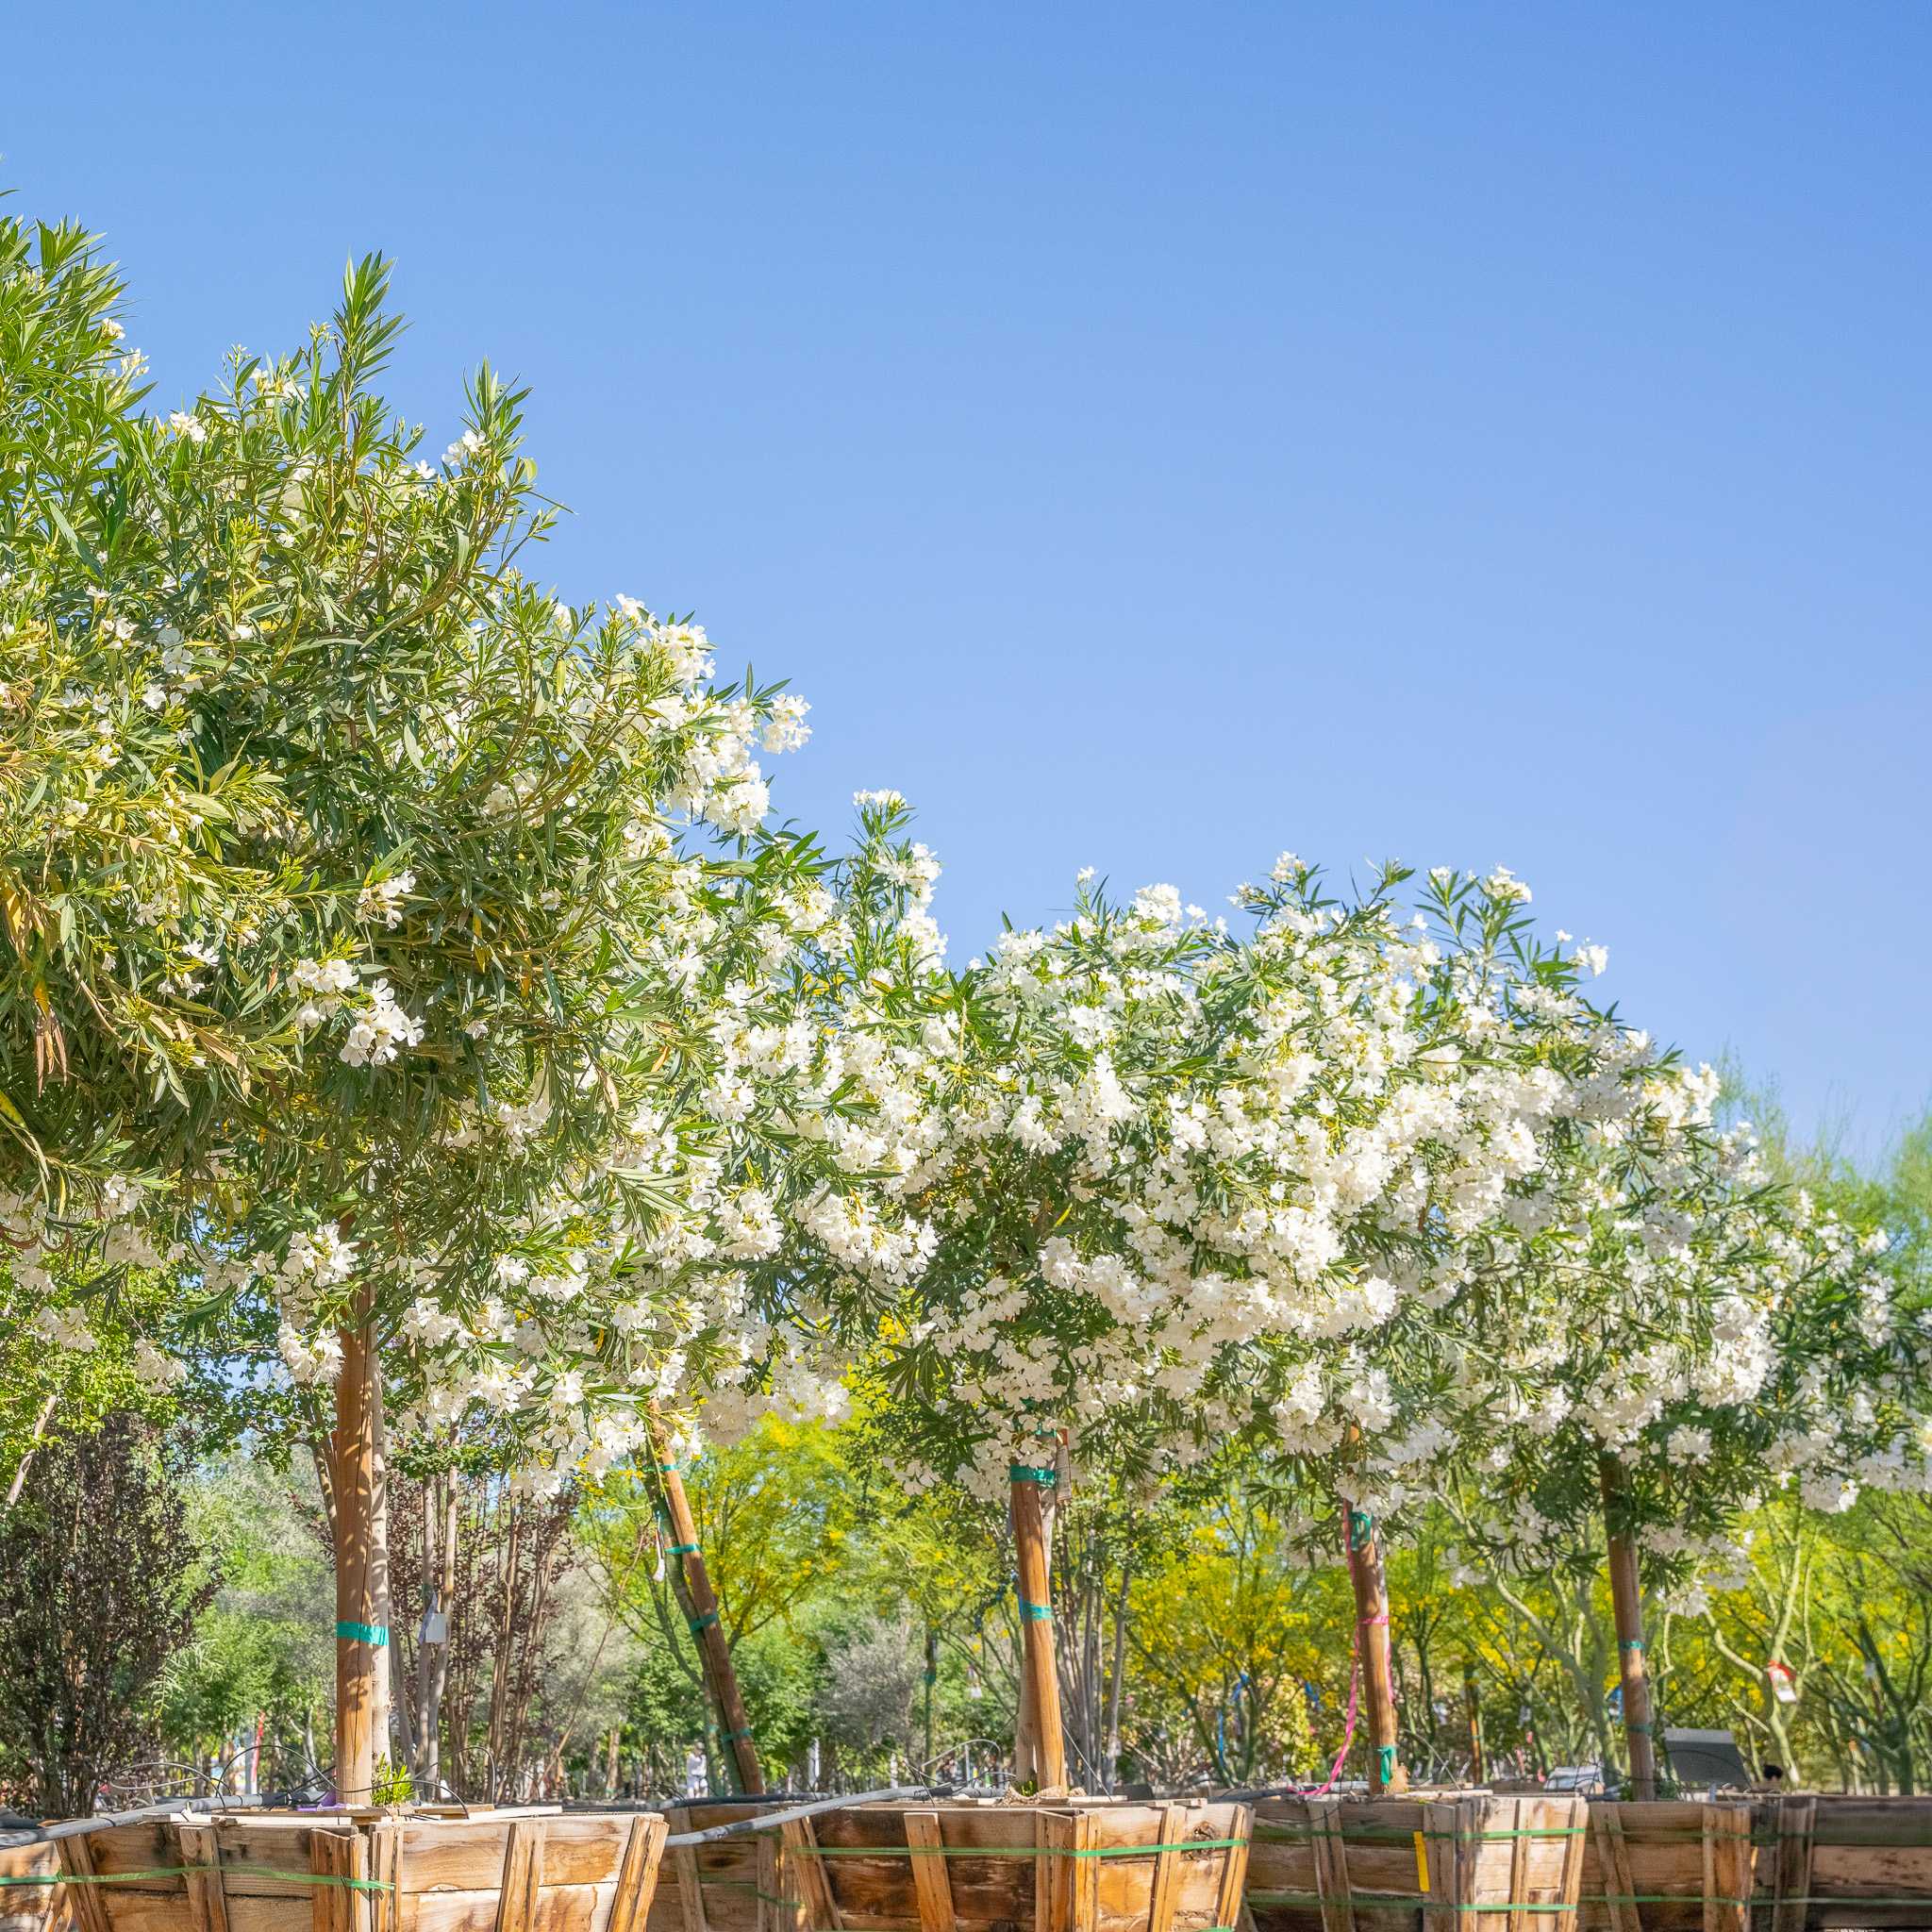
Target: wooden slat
1726	1830
1472	1820
386	1863
340	1859
929	1877
1084	1879
684	1865
328	1862
1053	1902
637	1873
1523	1814
1797	1819
77	1861
1331	1865
1234	1872
1438	1853
355	1896
1574	1819
208	1899
1164	1887
809	1877
1613	1858
523	1876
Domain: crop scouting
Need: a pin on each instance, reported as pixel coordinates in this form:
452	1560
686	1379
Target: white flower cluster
379	1028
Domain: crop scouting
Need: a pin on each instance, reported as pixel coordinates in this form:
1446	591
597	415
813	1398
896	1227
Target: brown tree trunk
1386	1773
1116	1684
27	1455
1626	1603
432	1657
1472	1705
714	1651
1039	1746
353	1475
383	1696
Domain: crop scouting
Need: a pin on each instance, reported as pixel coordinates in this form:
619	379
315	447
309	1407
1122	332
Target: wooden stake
1386	1773
1039	1712
715	1653
1626	1603
353	1477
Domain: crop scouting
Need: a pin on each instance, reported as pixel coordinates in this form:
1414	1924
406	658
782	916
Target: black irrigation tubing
185	1809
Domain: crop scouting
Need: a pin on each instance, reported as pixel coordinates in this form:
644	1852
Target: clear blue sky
1153	436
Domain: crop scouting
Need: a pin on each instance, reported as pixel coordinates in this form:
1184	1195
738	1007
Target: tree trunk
1039	1743
1116	1684
432	1655
1474	1706
1372	1636
354	1476
714	1651
932	1679
1626	1603
382	1705
27	1455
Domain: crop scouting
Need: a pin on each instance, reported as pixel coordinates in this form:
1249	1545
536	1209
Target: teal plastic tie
373	1634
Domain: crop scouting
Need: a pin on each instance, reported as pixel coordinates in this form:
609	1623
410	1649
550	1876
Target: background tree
98	1593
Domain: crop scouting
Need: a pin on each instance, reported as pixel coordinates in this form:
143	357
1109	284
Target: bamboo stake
1626	1603
1039	1712
353	1477
1386	1773
715	1653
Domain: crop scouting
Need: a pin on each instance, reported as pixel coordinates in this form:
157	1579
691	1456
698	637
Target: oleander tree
395	952
1185	1185
1728	1342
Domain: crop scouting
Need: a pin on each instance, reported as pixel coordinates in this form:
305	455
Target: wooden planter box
1450	1863
1798	1863
1479	1862
1092	1866
268	1871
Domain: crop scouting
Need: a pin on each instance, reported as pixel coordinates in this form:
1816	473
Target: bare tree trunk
1117	1681
432	1655
1371	1633
1039	1740
721	1675
382	1701
1626	1604
495	1764
354	1476
27	1455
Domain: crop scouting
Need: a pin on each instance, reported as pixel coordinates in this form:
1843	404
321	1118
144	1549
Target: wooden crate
1795	1863
1462	1862
1078	1866
1494	1863
269	1872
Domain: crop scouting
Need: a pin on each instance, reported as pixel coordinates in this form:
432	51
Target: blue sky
1154	436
